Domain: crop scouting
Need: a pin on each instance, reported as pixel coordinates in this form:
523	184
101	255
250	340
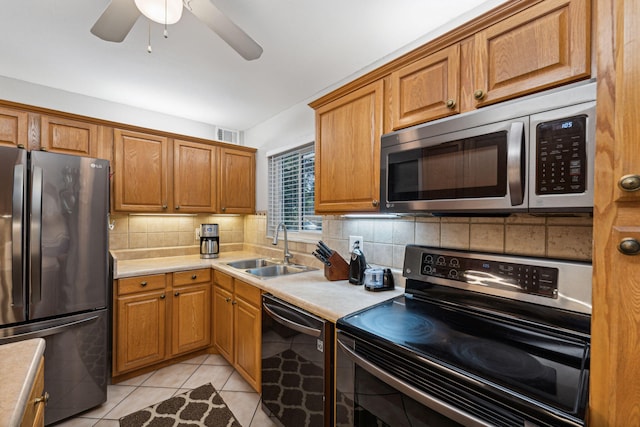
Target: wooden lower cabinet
191	311
159	317
34	411
237	326
139	323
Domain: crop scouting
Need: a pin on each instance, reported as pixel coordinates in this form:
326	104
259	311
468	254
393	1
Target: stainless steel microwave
534	154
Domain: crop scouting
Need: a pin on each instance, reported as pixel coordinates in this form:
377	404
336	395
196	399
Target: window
291	191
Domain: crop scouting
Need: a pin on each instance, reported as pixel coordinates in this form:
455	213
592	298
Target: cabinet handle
163	296
164	206
194	277
375	202
630	183
177	294
478	94
227	299
234	302
451	104
20	145
177	208
224	209
143	284
44	398
629	246
43	149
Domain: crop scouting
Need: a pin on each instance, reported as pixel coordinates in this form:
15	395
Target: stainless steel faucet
287	255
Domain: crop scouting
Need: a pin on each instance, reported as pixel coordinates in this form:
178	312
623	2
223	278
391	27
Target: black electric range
477	339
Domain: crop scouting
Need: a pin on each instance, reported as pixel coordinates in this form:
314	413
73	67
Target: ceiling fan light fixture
161	11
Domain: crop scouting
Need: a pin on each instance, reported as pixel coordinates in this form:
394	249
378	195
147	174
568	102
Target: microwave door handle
515	149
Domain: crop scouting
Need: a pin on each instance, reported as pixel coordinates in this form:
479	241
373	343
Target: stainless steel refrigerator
54	275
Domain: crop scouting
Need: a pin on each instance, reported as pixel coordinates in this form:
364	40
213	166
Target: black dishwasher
297	365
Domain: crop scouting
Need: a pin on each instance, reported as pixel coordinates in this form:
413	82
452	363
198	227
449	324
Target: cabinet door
427	89
68	136
191	314
545	45
140	330
223	322
347	148
248	321
237	181
141	172
195	168
13	127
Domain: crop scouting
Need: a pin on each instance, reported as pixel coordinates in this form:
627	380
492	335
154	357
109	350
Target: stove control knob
629	246
453	273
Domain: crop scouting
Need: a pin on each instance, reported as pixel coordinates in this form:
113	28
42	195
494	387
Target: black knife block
339	269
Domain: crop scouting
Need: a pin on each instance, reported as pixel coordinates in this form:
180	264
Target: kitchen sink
253	263
279	270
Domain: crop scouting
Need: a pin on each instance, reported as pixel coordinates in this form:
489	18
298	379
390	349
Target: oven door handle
515	149
290	324
429	401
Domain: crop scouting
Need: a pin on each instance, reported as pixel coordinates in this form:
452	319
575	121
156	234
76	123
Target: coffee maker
209	241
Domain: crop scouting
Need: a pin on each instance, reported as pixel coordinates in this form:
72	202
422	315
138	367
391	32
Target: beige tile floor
137	393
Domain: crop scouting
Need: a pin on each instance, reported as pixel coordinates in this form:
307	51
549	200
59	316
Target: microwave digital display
561	160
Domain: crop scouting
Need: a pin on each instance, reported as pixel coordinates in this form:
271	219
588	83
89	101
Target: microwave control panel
529	279
561	156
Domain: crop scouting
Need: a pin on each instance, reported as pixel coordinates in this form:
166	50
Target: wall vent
227	135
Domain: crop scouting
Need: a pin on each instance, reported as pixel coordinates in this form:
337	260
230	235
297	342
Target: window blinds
291	191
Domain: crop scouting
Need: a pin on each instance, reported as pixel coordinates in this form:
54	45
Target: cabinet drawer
192	276
249	293
223	280
141	283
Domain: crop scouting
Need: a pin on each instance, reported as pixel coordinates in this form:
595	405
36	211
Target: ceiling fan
119	17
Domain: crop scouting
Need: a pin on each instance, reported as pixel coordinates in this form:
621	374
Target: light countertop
18	367
309	290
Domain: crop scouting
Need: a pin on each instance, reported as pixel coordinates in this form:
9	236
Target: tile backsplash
157	231
566	237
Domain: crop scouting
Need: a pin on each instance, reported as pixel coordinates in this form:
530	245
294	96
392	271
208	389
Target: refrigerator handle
36	235
17	231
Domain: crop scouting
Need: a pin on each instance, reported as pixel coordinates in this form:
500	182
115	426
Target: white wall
46	97
290	128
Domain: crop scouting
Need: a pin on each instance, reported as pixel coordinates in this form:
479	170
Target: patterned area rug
201	406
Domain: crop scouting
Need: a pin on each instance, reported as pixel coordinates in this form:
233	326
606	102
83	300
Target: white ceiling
309	46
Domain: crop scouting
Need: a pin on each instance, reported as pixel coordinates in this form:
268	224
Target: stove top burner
498	359
398	325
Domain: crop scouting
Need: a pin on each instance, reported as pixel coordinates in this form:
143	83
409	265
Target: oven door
482	168
368	395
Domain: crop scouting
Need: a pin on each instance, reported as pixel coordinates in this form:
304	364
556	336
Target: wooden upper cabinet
347	168
543	46
237	181
13	127
140	172
427	89
67	136
195	168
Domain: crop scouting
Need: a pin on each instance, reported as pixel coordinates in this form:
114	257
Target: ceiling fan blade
116	21
205	11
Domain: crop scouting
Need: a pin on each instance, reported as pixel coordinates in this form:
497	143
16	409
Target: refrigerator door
68	234
75	360
13	175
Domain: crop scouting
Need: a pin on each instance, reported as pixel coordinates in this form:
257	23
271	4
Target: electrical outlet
197	234
353	240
